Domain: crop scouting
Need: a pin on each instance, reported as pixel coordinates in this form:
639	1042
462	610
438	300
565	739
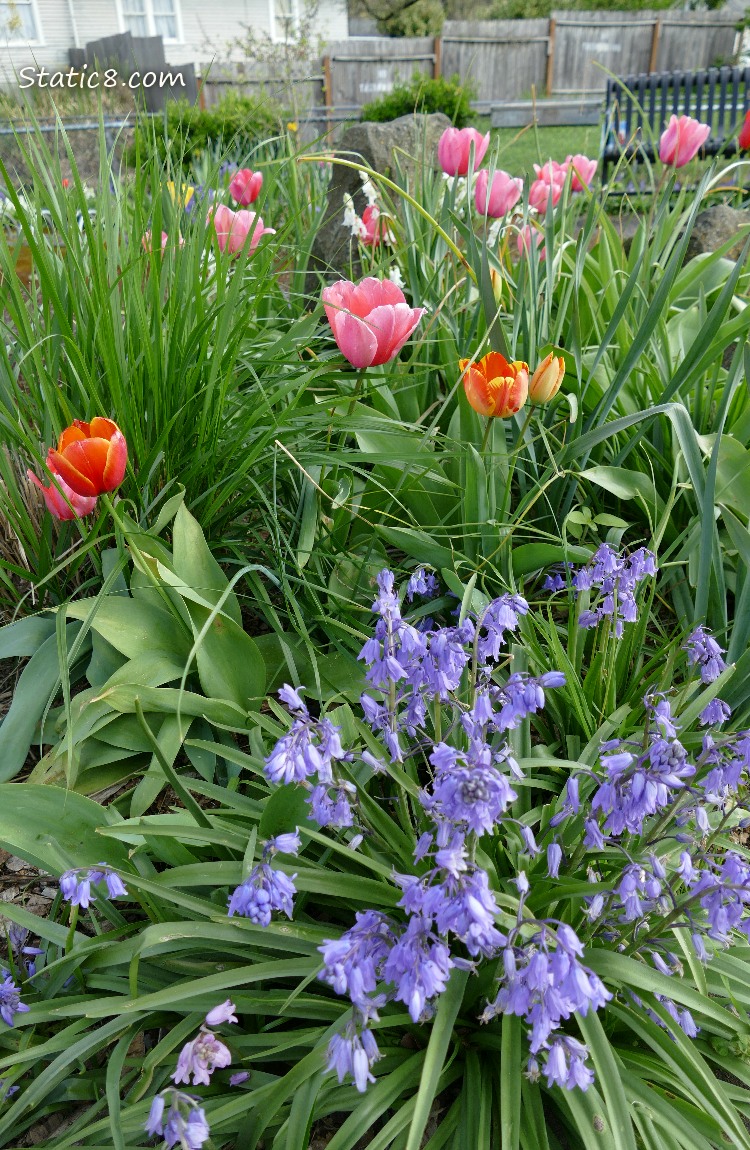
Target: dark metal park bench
638	109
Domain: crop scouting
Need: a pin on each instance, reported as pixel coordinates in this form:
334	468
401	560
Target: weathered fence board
572	53
502	59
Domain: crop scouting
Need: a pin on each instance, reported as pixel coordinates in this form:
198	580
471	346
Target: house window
284	19
151	18
18	20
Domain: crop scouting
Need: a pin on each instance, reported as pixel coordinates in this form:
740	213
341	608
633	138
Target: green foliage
420	18
186	132
424	95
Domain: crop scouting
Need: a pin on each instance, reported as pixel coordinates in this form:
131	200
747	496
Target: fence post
550	55
327	90
437	67
655	37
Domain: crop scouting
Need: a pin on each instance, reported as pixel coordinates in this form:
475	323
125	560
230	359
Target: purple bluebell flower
554	858
639	892
263	891
522	695
571	805
715	713
545	986
285	844
500	616
353	964
565	1064
615	579
154	1122
331	806
200	1058
464	905
224	1012
704	652
354	1053
307	749
185	1125
419	966
10	999
238	1078
76	884
725	893
466	795
422	583
292	699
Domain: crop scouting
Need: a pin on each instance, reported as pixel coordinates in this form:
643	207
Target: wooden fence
504	60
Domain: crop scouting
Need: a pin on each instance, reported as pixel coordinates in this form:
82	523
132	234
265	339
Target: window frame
38	41
294	4
151	23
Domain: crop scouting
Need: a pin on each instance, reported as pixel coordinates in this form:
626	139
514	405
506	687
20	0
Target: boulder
410	140
714	226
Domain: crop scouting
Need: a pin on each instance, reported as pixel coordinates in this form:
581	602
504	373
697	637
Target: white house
39	33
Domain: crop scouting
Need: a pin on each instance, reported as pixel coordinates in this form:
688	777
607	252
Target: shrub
186	130
423	95
423	18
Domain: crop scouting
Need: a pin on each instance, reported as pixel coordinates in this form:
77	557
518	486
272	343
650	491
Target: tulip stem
357	392
404	194
487	433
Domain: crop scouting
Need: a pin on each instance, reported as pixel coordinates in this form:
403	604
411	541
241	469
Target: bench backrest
718	96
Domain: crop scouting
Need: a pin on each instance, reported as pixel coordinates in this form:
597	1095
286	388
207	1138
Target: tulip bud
497	285
546	380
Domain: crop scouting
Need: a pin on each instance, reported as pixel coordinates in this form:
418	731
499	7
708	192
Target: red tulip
371	321
61	500
682	139
245	186
504	193
454	148
233	228
90	457
744	137
374	230
495	387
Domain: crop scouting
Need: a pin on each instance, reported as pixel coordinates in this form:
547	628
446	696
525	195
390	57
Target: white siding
210	31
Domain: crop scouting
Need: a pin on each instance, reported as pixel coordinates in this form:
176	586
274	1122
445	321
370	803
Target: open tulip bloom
90	457
245	186
371	321
495	387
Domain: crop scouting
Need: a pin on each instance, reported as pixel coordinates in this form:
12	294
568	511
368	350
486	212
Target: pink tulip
682	139
146	242
583	170
371	321
61	500
552	172
540	192
245	186
529	238
233	228
505	192
454	148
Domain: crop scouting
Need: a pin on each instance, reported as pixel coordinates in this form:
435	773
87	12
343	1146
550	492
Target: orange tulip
495	387
546	380
90	457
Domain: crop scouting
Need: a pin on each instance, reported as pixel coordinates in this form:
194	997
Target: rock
335	252
714	226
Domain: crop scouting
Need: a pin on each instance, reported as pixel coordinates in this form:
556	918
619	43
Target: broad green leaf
22	638
55	830
133	626
196	566
230	666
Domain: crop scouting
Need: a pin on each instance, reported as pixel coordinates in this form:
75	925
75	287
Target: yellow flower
188	192
292	126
